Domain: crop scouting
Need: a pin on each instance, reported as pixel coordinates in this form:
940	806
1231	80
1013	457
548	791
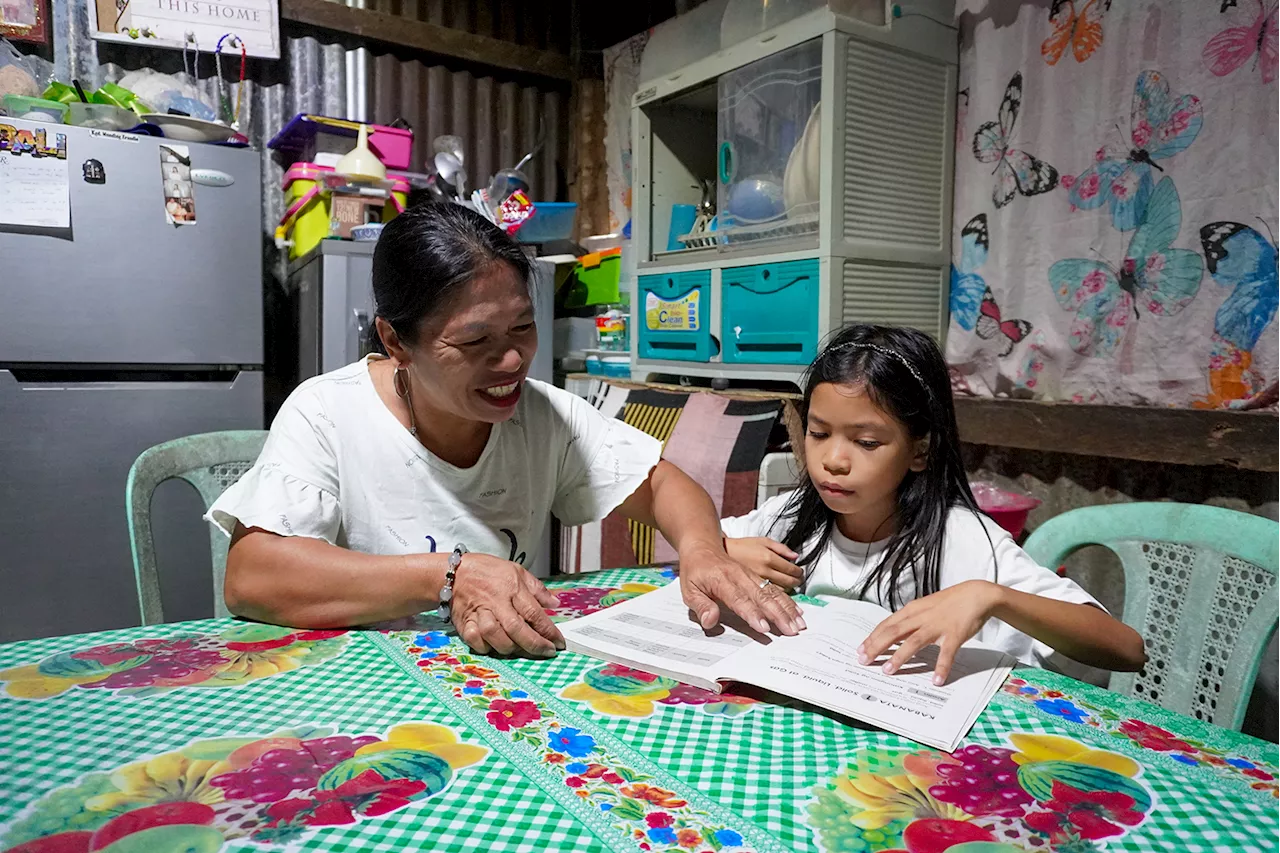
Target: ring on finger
764	583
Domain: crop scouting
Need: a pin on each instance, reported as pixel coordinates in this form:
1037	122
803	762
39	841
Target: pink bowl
1007	509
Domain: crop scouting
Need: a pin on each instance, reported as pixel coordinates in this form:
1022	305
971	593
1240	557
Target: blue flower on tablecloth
572	741
576	767
726	709
668	573
473	691
1028	690
604	807
728	837
1185	759
1241	764
518	694
1064	708
663	835
431	640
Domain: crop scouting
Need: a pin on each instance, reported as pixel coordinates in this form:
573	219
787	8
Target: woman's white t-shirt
973	548
339	466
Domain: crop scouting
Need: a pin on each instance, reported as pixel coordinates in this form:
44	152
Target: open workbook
656	633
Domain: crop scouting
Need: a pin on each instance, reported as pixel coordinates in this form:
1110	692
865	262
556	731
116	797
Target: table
226	735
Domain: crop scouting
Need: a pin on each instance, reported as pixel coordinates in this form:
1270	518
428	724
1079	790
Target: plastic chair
211	462
1200	586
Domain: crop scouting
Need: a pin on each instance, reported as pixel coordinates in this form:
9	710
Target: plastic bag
167	91
22	75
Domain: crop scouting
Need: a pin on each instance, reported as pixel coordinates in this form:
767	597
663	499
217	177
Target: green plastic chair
211	462
1200	586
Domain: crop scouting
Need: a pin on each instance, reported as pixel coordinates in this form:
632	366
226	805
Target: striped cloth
717	440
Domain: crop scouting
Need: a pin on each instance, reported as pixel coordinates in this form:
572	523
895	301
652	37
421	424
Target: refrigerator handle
363	331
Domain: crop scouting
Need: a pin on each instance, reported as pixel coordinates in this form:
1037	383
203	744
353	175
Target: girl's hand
767	560
949	618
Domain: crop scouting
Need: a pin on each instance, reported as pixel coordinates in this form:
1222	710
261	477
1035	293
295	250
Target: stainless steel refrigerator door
123	286
65	454
335	307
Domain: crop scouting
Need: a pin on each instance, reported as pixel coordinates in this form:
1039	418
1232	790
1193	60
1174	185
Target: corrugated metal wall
499	122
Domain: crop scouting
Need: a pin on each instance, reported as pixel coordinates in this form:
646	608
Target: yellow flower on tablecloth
635	705
887	786
440	741
168	778
28	682
1036	747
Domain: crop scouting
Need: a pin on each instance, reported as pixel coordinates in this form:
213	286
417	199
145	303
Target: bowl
366	233
756	199
1007	509
188	129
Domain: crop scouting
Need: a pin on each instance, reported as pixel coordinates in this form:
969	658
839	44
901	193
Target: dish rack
830	141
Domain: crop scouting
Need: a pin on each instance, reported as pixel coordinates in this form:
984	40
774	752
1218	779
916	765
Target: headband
896	356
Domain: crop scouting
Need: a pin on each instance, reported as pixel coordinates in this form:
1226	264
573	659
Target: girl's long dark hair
903	372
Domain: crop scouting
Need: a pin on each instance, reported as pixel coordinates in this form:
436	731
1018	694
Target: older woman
417	479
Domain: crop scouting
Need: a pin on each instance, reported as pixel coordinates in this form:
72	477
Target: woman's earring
401	385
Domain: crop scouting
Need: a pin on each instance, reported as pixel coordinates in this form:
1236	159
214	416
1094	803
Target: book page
655	632
821	666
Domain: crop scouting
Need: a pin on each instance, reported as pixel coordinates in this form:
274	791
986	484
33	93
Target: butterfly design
1160	126
967	287
1106	298
1081	32
1028	376
1016	171
1240	258
992	326
1234	46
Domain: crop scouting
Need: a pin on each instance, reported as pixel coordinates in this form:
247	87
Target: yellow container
307	218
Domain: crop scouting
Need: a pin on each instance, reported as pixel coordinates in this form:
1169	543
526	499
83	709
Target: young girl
886	515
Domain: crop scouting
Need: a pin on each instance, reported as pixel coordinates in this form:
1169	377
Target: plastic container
616	366
769	313
743	19
34	109
551	220
1007	509
611	329
673	316
307	135
307	218
598	274
101	116
768	109
682	40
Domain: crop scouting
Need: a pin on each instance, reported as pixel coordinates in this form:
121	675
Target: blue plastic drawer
770	313
673	316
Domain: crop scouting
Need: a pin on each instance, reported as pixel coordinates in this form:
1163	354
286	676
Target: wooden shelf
1245	440
432	38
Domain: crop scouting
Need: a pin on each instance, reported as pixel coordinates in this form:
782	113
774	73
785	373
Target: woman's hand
768	560
498	608
949	618
707	576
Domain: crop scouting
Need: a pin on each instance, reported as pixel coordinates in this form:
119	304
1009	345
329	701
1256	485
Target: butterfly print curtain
1116	202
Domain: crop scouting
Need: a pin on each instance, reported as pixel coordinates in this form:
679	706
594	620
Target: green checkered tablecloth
223	735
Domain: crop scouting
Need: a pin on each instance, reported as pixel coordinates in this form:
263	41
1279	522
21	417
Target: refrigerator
334	290
119	332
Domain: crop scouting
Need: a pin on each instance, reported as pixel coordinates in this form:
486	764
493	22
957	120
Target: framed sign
198	24
25	20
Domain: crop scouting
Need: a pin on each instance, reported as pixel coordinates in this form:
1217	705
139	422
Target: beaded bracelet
446	592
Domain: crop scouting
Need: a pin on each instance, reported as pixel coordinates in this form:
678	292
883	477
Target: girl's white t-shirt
973	548
339	466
